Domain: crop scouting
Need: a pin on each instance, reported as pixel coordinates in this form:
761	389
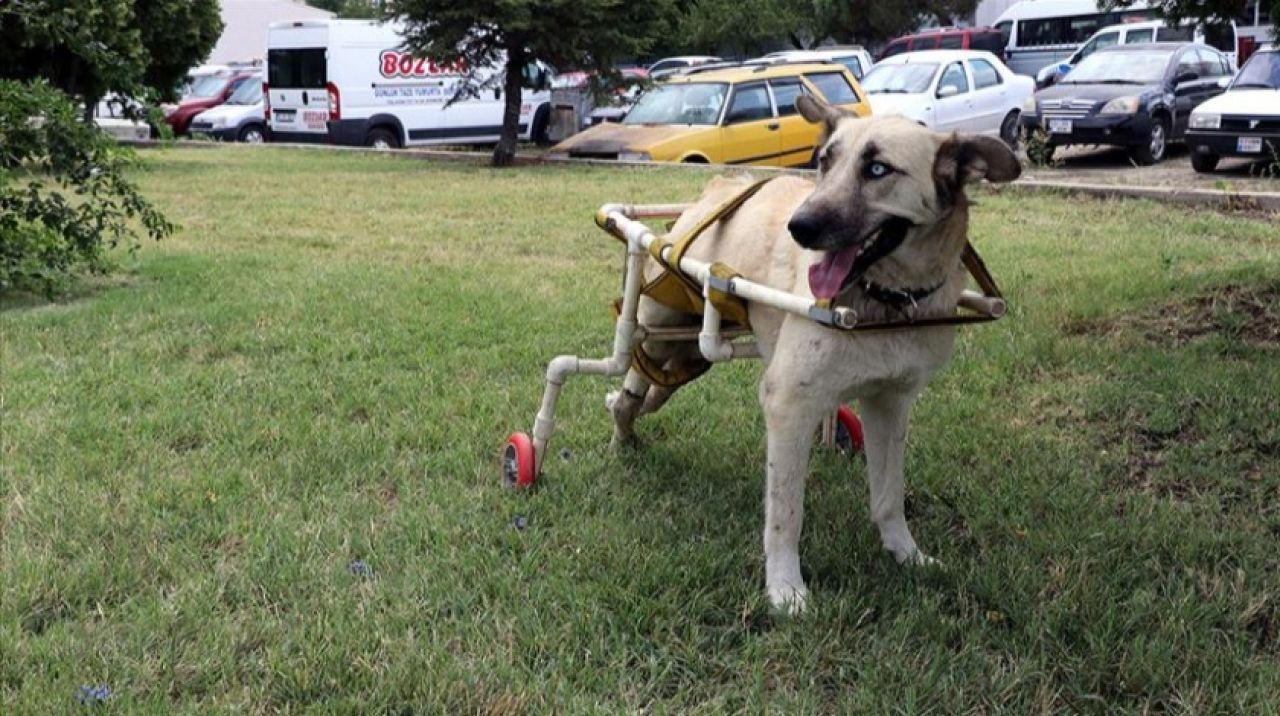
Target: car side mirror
1224	82
740	116
948	91
1186	77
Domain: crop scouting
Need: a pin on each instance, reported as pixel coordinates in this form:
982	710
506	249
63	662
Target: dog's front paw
918	559
788	600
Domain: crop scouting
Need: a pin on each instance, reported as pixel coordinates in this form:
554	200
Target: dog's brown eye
878	170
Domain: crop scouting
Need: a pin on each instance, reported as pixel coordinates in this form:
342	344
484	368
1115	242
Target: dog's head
889	202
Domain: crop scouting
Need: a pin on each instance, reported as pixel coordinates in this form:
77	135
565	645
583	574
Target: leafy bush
64	198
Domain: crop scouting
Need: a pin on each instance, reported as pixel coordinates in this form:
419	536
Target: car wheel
1157	142
251	134
541	122
381	139
1204	162
1009	128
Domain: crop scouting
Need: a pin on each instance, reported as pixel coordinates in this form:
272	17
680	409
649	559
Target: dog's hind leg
884	420
625	405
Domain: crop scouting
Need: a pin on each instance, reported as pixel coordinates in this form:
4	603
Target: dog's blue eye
878	170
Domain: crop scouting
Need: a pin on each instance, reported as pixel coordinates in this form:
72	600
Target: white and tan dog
882	231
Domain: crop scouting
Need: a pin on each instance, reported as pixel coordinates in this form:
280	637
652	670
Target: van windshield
684	103
302	68
912	78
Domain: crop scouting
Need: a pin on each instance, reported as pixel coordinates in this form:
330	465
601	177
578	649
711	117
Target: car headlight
1122	105
1206	121
1029	106
634	157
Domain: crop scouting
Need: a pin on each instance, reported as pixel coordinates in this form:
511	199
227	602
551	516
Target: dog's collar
898	298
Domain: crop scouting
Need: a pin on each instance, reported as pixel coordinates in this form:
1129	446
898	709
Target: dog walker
717	294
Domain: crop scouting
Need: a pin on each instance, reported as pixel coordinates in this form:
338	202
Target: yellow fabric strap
657	375
682	244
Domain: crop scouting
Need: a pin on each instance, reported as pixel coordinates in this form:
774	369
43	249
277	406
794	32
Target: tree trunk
504	154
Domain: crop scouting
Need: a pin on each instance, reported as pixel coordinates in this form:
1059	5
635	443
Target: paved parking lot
1106	165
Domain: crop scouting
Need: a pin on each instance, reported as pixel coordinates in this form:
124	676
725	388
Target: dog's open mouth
837	269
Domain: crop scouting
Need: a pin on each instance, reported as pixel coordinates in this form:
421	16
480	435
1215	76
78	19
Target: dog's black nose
805	229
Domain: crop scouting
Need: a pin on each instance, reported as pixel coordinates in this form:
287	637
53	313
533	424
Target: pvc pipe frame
620	221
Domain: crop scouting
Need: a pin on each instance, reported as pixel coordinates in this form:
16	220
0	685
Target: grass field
256	471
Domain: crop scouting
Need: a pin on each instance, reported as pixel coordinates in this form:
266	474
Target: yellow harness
677	291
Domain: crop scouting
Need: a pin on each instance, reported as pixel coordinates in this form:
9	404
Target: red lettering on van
394	63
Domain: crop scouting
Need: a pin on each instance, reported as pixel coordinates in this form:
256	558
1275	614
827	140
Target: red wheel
517	461
848	431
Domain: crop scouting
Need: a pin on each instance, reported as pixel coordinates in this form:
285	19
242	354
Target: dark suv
1135	96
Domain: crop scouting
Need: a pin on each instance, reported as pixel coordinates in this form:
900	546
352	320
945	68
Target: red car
948	38
208	91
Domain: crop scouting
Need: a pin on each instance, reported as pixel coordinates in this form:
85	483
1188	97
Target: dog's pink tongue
827	276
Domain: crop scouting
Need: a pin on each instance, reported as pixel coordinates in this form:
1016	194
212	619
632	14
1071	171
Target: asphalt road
1107	165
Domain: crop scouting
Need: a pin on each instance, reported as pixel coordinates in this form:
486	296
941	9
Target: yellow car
737	115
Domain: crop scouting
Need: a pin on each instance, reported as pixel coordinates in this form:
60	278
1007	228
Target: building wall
244	37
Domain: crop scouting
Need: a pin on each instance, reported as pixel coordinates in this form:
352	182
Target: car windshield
684	103
206	87
911	78
1262	70
1138	68
249	92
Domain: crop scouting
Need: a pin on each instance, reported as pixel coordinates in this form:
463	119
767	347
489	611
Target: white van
1222	38
350	82
1038	33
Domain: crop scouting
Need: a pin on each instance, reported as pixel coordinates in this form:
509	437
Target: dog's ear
815	110
965	158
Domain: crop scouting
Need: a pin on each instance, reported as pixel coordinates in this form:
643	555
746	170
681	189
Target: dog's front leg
790	420
884	420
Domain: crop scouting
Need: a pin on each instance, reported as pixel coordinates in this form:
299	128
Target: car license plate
286	115
1249	145
1060	126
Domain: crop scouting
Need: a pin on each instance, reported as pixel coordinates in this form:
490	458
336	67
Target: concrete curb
1216	199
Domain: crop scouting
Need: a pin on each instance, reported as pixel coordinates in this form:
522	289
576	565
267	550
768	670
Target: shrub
64	198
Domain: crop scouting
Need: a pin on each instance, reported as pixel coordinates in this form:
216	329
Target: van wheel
1009	129
1204	162
541	122
381	139
252	134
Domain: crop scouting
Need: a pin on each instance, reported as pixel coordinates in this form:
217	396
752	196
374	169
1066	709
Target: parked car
1135	96
948	38
1242	122
671	65
206	92
857	59
1221	38
737	115
239	119
951	90
589	110
122	118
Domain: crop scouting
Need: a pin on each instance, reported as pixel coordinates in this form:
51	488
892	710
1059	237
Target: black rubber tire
1204	162
694	160
1147	154
1010	128
382	138
248	131
541	123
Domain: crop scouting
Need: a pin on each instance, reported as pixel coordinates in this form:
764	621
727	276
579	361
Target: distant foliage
64	198
750	27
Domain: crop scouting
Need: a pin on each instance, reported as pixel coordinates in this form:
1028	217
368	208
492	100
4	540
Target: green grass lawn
322	365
